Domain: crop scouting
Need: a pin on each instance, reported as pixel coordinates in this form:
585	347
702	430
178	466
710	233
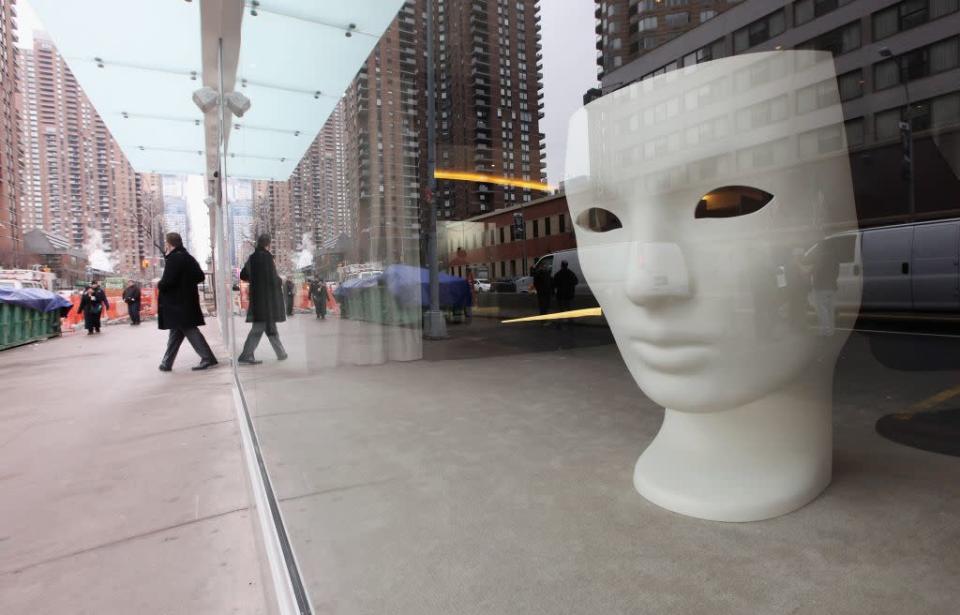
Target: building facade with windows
627	29
10	231
897	61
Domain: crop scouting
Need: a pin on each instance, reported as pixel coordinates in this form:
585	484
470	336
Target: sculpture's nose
656	272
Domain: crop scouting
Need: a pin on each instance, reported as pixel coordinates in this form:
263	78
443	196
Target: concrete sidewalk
121	487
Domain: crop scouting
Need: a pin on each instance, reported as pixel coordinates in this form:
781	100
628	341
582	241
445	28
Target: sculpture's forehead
727	121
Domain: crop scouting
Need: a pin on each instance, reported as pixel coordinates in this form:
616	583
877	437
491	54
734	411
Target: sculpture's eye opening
731	201
598	220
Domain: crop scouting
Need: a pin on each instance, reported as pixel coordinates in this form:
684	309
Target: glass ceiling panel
292	50
136	62
148	49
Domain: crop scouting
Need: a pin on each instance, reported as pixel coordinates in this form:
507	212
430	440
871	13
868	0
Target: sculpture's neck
759	460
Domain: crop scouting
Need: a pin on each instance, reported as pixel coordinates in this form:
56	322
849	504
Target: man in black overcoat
131	296
179	304
266	305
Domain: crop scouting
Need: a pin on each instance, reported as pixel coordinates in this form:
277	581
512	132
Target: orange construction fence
301	298
117	309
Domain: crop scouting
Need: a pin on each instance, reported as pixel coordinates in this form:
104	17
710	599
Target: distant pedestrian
565	283
318	294
289	293
93	302
543	284
131	296
825	264
179	305
265	302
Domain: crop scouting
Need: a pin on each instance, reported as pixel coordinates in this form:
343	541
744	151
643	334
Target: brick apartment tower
489	91
10	226
318	186
75	177
626	29
272	214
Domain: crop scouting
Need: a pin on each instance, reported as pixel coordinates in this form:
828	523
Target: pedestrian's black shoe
248	361
204	365
165	368
282	357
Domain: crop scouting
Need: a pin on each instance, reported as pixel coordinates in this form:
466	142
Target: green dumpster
21	325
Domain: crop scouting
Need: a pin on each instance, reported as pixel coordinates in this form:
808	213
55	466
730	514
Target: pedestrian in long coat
93	302
131	296
179	305
318	294
266	307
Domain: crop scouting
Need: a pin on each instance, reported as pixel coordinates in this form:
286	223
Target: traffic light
145	263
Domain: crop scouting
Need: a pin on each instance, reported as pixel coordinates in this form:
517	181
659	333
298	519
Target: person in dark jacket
131	296
179	305
543	284
318	294
565	283
288	290
93	302
266	307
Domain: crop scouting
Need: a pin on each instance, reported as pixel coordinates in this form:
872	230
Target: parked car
524	284
482	285
7	283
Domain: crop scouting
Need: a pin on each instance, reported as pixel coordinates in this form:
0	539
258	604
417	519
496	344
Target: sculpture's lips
672	354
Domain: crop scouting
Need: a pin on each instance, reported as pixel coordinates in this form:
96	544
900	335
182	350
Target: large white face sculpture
701	200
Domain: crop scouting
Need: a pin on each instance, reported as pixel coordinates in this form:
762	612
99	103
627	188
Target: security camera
237	103
206	99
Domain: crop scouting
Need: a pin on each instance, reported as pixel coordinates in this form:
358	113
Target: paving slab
122	488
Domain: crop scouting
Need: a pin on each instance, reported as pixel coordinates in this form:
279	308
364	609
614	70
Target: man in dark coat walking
131	296
543	284
565	284
92	304
179	305
318	294
266	307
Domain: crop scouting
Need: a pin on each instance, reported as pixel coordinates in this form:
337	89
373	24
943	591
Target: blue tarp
404	282
410	287
34	298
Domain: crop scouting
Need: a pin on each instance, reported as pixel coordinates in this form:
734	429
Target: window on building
546	226
706	53
838	41
886	124
647	23
759	31
916	64
707	15
807	10
855	132
677	20
909	14
562	223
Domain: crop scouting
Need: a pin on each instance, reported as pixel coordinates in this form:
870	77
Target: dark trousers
91	320
320	305
253	339
134	311
196	339
289	305
543	302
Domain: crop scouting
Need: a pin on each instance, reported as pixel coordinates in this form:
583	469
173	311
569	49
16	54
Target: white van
904	268
552	262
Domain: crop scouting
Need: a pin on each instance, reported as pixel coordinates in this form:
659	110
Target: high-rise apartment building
240	220
176	218
273	214
10	231
489	94
318	185
383	144
75	178
627	29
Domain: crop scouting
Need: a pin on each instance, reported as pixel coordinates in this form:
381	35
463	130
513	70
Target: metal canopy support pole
434	326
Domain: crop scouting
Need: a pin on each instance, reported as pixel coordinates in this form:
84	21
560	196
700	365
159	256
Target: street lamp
906	129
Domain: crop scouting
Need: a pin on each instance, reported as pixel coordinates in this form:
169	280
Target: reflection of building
486	243
627	29
75	177
54	252
272	215
922	38
9	138
175	211
240	220
489	98
318	185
